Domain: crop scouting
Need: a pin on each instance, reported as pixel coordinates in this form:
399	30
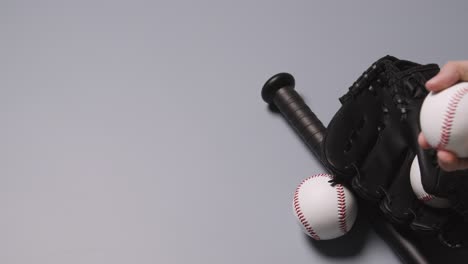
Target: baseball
324	211
444	121
418	189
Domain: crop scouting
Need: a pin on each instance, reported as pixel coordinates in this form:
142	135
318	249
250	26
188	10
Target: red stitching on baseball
449	117
341	208
298	210
426	197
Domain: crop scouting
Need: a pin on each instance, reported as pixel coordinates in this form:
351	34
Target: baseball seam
449	117
297	207
341	208
426	197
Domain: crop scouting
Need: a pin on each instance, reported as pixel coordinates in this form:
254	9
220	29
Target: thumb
450	74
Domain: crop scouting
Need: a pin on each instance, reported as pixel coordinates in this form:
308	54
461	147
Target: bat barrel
279	91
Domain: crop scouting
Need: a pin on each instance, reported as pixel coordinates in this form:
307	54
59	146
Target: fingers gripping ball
444	119
418	189
322	210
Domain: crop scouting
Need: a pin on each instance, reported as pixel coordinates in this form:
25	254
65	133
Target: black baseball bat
279	91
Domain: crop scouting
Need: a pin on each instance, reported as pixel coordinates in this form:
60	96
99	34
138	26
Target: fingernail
430	83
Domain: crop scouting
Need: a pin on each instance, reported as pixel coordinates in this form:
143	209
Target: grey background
134	131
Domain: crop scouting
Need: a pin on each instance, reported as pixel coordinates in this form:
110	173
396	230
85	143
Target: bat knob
275	83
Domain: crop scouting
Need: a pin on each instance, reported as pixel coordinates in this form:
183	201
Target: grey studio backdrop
134	131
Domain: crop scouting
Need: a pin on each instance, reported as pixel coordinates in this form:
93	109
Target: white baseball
418	189
324	211
444	119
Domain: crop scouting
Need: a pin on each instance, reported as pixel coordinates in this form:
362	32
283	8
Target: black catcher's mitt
371	143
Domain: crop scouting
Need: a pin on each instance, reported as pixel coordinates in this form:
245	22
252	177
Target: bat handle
279	91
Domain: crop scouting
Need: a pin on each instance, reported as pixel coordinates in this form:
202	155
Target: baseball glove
371	143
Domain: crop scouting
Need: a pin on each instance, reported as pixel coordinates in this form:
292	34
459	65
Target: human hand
450	74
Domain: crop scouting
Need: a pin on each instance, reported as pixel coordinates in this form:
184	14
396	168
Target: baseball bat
279	91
